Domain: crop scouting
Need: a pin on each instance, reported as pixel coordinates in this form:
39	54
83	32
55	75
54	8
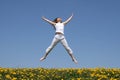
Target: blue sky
93	33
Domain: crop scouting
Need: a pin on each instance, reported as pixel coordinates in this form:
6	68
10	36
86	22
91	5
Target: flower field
59	74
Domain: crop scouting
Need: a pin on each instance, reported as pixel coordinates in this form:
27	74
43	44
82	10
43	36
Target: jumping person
59	36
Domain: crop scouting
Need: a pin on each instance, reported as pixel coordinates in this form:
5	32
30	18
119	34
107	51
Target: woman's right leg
53	44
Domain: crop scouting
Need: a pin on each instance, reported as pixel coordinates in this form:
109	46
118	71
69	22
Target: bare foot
75	61
41	59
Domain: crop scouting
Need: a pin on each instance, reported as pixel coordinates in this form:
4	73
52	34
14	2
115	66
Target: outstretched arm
51	22
65	22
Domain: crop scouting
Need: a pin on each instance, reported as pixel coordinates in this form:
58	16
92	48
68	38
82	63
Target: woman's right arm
51	22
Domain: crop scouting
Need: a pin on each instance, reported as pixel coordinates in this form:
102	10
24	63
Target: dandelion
14	78
13	72
73	79
79	71
78	78
112	79
8	76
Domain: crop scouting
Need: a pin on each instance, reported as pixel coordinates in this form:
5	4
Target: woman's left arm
65	22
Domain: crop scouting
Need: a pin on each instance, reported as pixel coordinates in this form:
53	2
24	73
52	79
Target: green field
59	74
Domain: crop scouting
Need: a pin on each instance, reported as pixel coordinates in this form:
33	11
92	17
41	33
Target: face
59	20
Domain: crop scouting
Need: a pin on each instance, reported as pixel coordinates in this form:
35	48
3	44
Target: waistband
59	33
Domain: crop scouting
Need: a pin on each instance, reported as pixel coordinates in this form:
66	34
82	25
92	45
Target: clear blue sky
93	33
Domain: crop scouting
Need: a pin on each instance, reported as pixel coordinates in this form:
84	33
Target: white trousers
59	38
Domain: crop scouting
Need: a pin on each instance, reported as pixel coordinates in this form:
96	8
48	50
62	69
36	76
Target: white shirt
59	27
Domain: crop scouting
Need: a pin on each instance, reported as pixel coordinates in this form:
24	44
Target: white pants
59	38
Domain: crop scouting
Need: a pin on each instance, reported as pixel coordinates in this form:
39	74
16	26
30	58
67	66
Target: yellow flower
78	78
14	78
13	72
93	74
112	79
73	79
8	76
79	71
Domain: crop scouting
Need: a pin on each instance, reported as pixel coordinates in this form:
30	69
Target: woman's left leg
68	49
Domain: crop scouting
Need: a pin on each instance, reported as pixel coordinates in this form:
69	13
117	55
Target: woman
59	36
